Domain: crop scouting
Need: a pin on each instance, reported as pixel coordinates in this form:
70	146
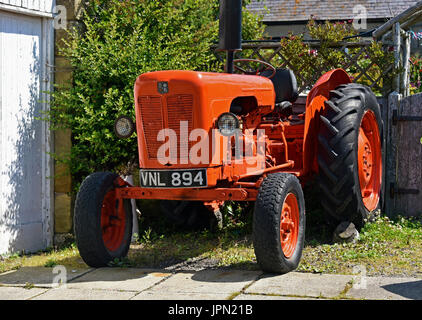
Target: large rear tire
102	232
279	223
350	152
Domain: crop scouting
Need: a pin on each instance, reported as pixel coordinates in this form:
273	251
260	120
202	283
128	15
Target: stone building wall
62	138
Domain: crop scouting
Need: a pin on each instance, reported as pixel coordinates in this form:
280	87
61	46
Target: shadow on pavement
221	276
410	290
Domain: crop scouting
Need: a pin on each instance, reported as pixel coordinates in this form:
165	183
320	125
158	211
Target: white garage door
24	164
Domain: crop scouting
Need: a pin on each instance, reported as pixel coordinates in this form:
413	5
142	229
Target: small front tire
102	233
279	223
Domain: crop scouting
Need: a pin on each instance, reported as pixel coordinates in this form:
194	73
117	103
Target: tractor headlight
227	124
124	127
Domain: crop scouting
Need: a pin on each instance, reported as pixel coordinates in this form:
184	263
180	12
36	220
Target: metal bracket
395	190
397	118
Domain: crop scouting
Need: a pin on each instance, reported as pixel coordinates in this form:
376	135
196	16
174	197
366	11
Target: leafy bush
117	41
415	75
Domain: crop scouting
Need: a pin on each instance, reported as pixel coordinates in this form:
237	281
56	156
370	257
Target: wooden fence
403	136
357	58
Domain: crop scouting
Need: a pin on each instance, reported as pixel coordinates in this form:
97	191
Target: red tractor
213	137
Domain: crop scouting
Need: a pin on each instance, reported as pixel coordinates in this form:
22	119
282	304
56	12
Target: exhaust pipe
230	30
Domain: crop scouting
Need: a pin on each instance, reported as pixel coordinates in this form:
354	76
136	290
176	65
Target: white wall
26	47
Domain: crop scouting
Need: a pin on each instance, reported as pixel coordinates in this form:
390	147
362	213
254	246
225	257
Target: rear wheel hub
370	161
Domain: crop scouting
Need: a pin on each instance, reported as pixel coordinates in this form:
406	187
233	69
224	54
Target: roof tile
302	10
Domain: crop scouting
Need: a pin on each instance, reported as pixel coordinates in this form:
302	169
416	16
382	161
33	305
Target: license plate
191	178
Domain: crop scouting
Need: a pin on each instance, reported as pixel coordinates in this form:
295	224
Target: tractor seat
285	87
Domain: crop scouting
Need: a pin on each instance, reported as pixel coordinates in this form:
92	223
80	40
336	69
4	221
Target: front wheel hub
289	225
112	221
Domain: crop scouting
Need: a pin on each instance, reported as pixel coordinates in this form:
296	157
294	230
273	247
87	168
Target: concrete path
59	283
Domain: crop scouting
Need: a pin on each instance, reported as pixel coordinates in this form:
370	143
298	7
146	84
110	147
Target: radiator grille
180	109
152	122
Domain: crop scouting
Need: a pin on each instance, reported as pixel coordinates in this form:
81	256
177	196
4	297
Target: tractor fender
314	107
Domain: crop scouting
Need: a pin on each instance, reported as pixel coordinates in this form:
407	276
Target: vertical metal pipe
397	49
230	25
229	62
230	30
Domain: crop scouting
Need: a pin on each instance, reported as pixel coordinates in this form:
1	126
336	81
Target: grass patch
68	257
230	247
50	263
387	247
160	244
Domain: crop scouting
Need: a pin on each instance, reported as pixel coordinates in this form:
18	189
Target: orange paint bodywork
198	99
314	108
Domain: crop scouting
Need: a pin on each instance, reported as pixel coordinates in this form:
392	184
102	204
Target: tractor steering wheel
257	72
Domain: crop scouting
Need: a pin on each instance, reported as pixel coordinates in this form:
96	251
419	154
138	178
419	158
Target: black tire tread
336	153
266	236
86	220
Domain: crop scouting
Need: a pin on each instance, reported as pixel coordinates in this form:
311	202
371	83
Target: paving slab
207	281
125	279
269	297
84	294
40	276
387	288
301	284
17	293
160	295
